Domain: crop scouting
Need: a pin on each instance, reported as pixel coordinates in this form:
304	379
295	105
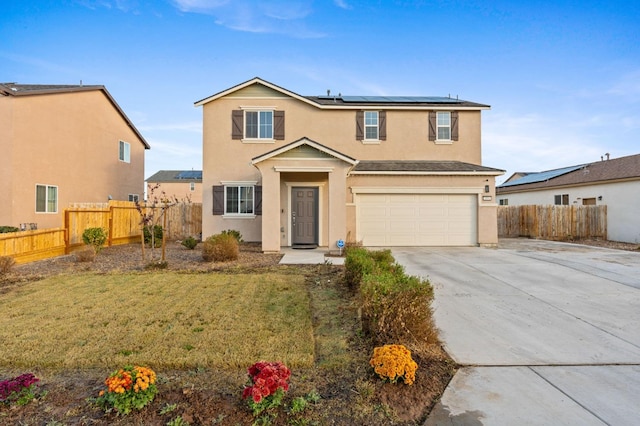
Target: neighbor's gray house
614	182
292	170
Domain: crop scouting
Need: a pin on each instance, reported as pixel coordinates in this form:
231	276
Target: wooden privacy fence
121	219
552	222
28	246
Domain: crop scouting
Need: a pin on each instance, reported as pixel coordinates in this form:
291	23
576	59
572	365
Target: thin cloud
270	17
342	4
192	126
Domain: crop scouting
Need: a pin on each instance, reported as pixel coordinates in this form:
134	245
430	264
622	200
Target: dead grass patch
166	320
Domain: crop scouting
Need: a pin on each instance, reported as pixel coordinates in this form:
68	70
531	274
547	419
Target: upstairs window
257	125
124	152
192	186
443	126
134	197
371	126
46	199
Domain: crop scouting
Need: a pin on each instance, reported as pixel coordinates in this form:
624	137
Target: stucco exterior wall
179	190
70	140
6	153
623	205
228	160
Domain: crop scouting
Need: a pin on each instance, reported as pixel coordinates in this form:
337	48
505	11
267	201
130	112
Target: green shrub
7	229
395	306
95	237
190	243
236	234
6	263
220	248
157	235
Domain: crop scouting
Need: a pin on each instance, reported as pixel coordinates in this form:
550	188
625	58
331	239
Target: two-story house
176	184
63	144
305	171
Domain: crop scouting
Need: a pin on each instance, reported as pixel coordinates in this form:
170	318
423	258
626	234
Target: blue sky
562	77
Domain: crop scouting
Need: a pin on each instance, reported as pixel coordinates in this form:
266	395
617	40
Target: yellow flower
391	362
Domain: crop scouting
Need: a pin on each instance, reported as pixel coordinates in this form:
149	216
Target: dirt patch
206	396
616	245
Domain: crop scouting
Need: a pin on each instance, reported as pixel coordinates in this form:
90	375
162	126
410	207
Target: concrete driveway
549	333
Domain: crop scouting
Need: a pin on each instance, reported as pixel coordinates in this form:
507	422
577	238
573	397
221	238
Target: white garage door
417	219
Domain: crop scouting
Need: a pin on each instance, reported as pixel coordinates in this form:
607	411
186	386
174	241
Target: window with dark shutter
258	199
237	124
359	125
432	125
382	124
454	125
278	125
218	200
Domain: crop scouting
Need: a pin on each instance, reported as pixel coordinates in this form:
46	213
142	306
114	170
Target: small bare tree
151	214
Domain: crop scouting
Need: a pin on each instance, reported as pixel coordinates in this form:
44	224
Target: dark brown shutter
237	124
218	199
382	125
258	200
454	125
432	125
278	125
359	125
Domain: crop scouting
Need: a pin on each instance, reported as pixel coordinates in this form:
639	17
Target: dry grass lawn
162	319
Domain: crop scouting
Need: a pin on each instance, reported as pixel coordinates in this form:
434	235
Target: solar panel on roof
542	176
189	174
400	99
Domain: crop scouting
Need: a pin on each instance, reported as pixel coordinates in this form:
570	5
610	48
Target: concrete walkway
549	332
317	256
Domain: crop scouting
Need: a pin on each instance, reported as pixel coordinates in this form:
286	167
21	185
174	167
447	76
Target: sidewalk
317	256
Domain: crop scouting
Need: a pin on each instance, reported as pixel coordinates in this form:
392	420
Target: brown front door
304	216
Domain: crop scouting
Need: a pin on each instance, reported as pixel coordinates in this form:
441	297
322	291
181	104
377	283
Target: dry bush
6	263
404	316
220	248
86	254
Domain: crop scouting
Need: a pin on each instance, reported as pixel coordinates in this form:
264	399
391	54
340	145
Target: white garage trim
417	218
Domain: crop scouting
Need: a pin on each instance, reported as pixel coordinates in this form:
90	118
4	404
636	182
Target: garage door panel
417	219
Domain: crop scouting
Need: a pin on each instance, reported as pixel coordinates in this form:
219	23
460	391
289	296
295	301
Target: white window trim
246	139
238	184
136	197
46	199
438	126
126	152
192	186
377	127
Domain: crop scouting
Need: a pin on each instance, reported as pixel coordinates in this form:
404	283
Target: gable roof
175	176
423	168
18	90
623	168
303	141
357	102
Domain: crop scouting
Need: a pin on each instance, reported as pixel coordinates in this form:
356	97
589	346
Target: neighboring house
614	182
177	184
61	145
305	171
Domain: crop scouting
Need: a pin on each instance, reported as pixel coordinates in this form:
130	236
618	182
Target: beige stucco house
62	145
176	184
292	170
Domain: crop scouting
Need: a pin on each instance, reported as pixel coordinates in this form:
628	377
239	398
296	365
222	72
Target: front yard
199	326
